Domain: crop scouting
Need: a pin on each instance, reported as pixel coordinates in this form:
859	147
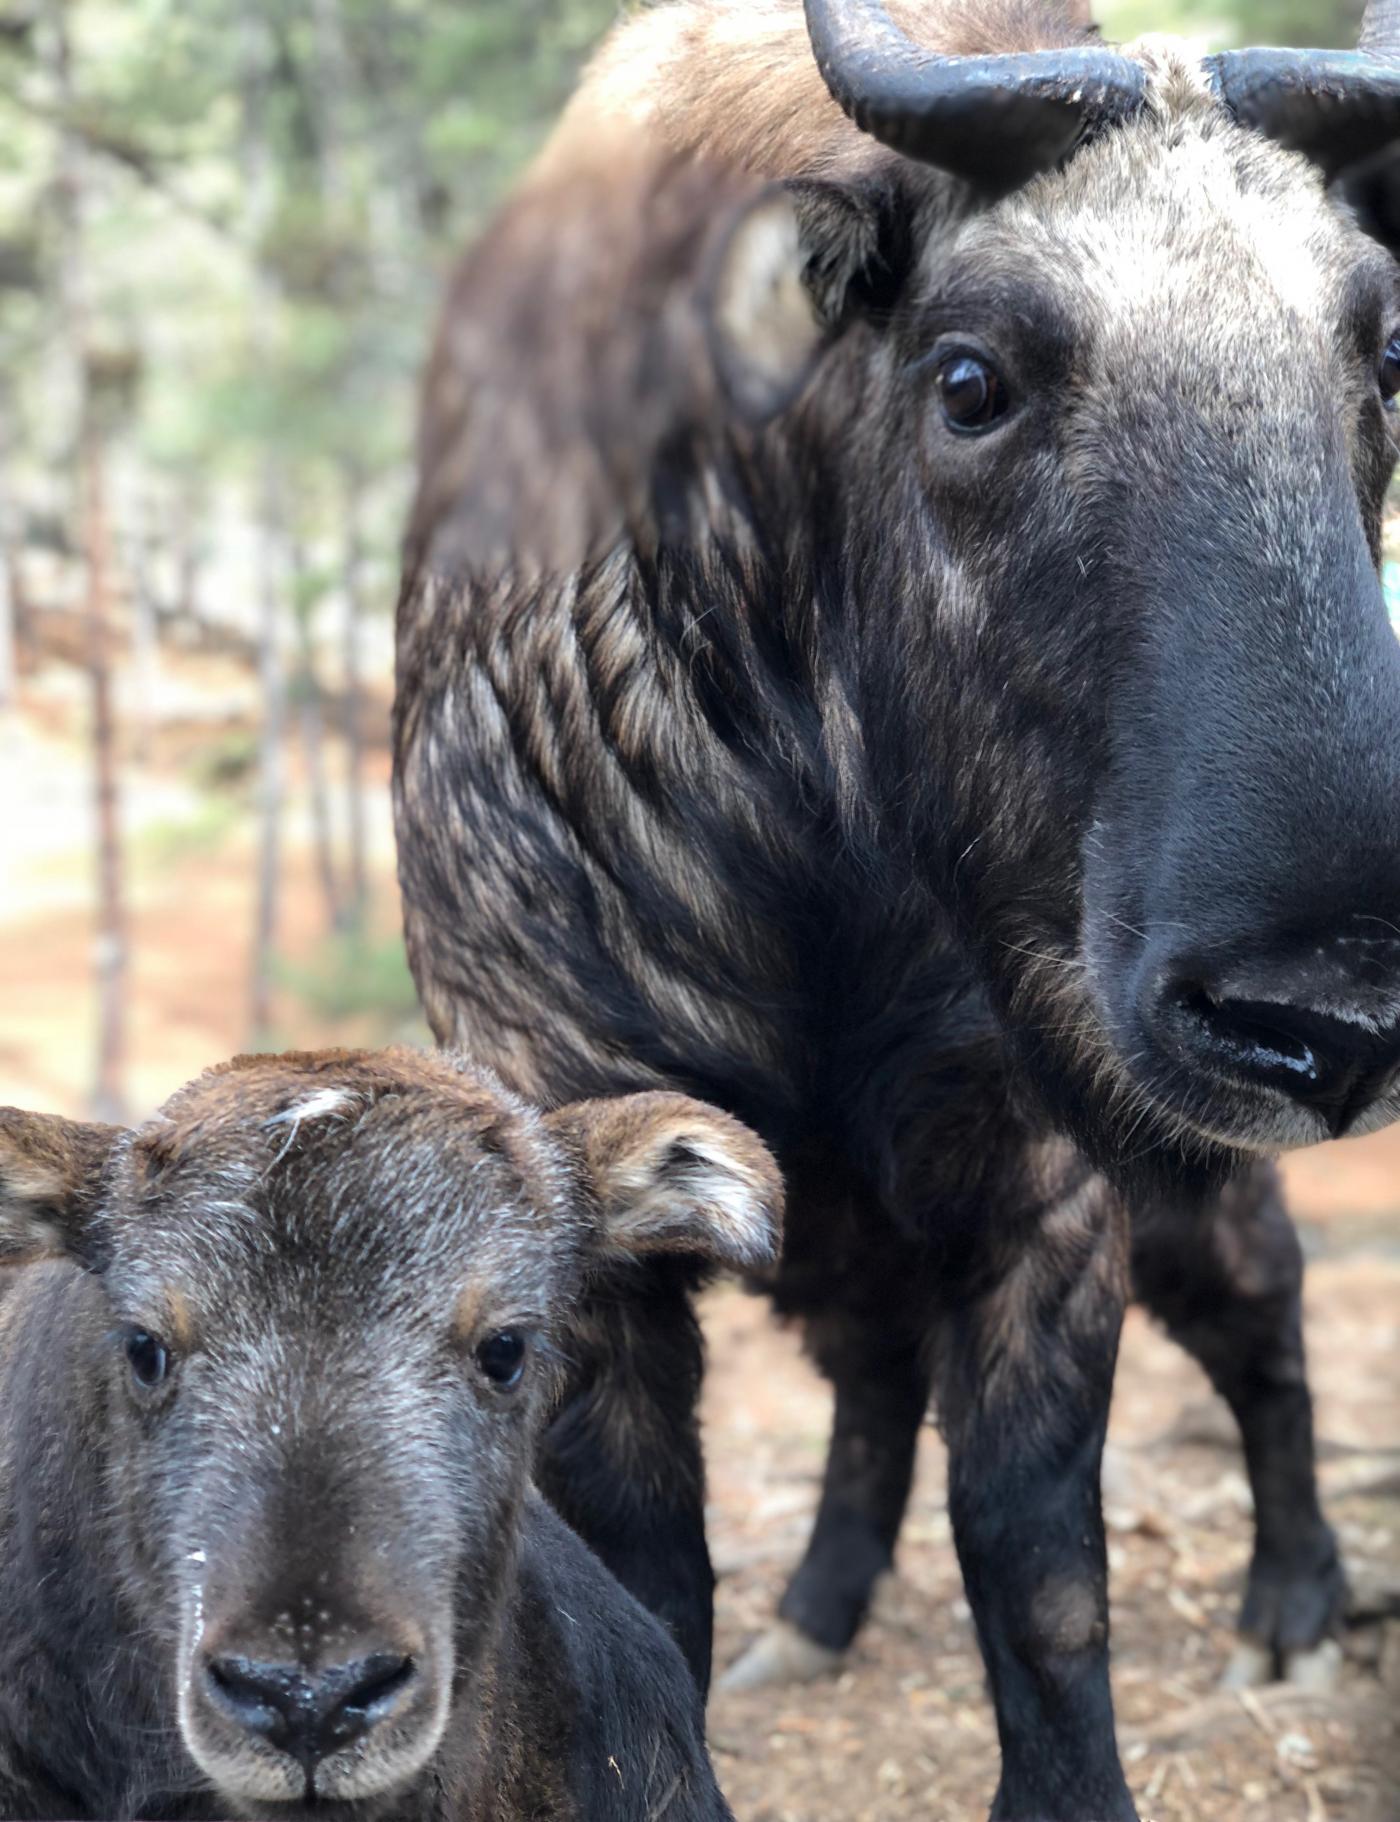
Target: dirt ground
905	1731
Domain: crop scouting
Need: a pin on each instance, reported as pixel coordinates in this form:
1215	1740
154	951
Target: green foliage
360	977
205	831
227	762
273	189
1230	22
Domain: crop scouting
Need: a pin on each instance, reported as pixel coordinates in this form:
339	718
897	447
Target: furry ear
668	1174
50	1185
781	290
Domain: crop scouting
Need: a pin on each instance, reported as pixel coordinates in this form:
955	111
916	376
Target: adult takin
273	1369
891	642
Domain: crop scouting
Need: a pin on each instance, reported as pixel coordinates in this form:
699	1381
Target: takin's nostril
309	1715
256	1696
1336	1066
382	1682
1258	1037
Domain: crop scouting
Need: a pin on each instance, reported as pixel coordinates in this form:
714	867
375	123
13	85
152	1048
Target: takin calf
272	1376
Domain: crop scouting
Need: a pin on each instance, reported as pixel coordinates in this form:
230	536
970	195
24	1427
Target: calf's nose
310	1714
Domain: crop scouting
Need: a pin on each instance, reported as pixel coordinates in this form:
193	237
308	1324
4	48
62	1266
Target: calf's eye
1390	371
502	1358
971	391
147	1356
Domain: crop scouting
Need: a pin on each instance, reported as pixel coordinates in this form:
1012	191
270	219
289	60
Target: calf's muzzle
309	1713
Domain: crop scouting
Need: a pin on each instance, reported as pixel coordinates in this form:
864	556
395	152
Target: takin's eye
147	1356
501	1358
1390	371
971	391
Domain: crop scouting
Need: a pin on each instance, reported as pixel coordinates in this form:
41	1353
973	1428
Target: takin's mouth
363	1781
307	1790
330	1809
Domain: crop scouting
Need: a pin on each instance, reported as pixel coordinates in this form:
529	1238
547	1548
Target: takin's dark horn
1380	29
1341	108
995	121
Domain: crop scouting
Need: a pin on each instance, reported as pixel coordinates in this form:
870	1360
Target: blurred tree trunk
184	539
108	1098
334	79
145	646
258	181
11	603
9	617
352	592
95	539
271	784
312	719
16	593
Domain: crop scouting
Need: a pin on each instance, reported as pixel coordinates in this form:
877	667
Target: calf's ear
785	282
50	1185
671	1175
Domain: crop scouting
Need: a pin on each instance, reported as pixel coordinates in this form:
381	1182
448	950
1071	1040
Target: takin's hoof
1253	1665
1318	1669
1250	1666
1293	1607
782	1655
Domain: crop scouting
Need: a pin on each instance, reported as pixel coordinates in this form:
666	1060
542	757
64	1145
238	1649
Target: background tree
248	207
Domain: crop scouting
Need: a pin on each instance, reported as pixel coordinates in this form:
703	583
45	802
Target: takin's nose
1323	1030
309	1714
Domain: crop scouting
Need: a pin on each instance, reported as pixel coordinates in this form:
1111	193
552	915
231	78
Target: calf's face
334	1293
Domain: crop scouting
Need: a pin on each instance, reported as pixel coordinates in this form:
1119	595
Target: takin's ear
671	1175
50	1185
783	287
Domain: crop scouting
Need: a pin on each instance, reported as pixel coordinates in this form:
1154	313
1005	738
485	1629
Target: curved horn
1339	107
1380	29
995	121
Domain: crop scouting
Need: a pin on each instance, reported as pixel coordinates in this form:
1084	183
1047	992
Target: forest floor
906	1730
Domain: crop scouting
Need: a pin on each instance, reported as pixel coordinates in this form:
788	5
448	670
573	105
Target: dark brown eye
1390	371
971	392
502	1358
147	1356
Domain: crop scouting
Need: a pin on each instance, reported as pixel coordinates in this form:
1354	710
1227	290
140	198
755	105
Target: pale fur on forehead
1128	225
220	1117
320	1105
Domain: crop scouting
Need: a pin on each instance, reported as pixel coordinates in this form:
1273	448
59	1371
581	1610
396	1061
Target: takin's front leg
881	1384
1227	1282
882	1393
621	1461
1024	1377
